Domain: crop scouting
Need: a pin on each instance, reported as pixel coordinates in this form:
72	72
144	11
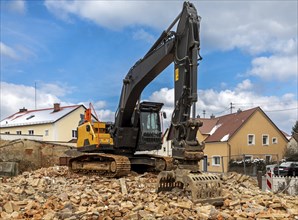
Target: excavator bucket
204	188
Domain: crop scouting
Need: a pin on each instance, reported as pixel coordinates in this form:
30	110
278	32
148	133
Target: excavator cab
150	135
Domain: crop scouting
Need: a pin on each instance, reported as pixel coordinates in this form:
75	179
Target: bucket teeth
204	188
168	183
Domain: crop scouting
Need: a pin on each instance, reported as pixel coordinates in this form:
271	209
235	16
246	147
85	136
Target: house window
7	132
31	132
274	140
19	132
46	133
74	134
265	139
215	160
164	149
268	158
251	139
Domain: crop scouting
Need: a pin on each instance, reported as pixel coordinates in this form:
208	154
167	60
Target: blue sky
79	52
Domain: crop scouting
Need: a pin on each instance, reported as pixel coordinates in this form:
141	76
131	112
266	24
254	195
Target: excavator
110	149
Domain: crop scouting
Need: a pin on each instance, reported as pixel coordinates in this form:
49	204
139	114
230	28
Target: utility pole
231	107
35	95
204	113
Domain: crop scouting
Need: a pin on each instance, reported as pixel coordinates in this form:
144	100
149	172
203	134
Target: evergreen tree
295	128
291	152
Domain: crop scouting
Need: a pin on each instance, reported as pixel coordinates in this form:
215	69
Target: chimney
239	111
212	116
56	107
23	109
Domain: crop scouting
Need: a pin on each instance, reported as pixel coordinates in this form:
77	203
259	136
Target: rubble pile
54	193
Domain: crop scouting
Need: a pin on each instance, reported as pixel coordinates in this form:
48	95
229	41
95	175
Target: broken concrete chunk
53	193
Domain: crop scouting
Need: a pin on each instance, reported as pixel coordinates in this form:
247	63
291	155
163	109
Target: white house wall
39	130
61	130
64	127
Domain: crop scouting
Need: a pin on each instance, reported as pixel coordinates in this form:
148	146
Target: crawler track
110	165
107	165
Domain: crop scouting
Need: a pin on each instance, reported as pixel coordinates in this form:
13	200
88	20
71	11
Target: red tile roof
224	127
208	124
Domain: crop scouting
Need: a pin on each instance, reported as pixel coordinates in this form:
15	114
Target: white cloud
244	86
103	114
143	35
254	27
287	47
165	96
225	25
106	115
97	105
223	85
18	52
218	103
18	6
5	50
14	97
58	89
116	14
275	68
100	104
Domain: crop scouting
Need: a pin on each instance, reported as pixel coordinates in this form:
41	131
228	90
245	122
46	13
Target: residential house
248	135
50	124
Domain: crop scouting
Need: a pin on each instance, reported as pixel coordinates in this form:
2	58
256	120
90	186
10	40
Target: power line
233	105
281	110
222	111
257	103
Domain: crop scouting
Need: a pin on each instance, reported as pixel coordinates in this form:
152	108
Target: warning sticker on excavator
176	74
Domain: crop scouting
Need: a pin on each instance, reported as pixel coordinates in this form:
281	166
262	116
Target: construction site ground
55	193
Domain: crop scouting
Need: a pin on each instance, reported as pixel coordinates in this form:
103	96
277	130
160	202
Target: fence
251	164
285	184
282	184
245	164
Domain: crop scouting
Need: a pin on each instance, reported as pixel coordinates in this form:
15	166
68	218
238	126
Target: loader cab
150	135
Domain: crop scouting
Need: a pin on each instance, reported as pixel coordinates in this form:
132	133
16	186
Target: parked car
288	168
270	167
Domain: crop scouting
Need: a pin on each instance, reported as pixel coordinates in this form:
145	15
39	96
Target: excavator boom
137	125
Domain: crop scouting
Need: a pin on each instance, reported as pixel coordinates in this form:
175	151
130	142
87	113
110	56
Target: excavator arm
137	125
180	47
